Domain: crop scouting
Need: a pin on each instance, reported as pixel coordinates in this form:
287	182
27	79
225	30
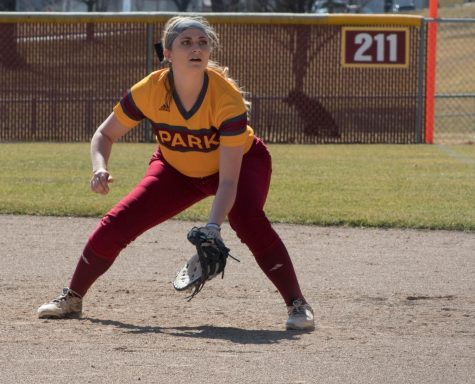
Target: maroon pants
164	192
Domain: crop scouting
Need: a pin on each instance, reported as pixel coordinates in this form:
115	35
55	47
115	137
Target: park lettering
187	141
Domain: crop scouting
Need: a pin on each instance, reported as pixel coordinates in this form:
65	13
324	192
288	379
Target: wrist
214	226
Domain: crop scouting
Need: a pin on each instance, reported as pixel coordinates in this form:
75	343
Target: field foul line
456	155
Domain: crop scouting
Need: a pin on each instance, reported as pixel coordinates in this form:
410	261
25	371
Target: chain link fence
58	81
61	79
455	81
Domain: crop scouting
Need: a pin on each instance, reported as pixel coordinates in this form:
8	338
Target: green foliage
406	186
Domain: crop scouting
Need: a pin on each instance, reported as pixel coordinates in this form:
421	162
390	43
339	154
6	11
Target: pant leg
252	226
160	195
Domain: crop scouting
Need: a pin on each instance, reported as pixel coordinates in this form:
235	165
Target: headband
174	31
179	27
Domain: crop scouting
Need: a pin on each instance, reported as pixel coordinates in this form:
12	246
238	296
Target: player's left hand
210	232
208	262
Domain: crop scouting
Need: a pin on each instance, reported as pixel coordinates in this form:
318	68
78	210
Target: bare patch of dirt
393	306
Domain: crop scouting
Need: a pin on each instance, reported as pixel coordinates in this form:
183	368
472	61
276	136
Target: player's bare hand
100	182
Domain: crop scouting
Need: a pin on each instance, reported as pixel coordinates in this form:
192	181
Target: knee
255	231
108	239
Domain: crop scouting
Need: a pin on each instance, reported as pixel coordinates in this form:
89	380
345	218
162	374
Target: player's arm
107	134
230	159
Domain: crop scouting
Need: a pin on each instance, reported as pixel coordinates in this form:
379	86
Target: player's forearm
101	147
223	202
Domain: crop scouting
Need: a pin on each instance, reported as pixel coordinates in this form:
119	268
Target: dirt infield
393	306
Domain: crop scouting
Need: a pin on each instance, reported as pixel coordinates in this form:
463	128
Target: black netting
60	81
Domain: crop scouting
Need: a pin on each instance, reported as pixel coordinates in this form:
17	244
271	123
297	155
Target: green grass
405	186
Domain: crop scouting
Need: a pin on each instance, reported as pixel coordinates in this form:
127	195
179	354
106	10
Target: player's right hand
100	181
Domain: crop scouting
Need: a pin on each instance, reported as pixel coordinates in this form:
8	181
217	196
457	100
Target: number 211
365	40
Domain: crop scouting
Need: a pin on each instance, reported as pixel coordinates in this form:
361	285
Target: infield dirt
393	306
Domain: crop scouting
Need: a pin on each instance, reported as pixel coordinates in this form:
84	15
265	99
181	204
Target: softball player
205	148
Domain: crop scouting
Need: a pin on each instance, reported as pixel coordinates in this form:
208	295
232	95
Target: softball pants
164	192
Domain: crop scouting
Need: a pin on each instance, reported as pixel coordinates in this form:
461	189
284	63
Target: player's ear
167	54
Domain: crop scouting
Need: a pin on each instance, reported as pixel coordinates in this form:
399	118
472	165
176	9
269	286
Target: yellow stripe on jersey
189	140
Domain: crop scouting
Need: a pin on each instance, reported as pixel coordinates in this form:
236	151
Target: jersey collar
188	114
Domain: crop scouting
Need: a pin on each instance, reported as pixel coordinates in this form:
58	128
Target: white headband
179	27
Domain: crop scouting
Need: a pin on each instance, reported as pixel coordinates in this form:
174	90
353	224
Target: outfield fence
455	81
310	78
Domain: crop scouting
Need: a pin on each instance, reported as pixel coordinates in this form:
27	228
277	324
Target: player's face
190	50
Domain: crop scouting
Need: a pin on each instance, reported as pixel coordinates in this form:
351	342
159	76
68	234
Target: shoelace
60	298
298	307
64	296
297	310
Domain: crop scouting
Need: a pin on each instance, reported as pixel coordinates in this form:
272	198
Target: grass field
405	186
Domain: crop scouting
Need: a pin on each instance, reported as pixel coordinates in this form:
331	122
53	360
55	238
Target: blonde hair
177	25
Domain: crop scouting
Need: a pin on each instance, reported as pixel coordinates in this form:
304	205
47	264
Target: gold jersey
189	140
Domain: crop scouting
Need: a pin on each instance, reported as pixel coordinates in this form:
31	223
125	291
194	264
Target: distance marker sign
384	47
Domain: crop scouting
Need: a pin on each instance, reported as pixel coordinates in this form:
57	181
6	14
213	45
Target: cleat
67	305
300	316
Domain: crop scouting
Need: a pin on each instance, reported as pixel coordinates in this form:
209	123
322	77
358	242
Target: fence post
421	84
89	112
148	69
431	63
33	118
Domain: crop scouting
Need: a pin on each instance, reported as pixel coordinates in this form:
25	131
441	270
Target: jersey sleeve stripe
235	126
130	109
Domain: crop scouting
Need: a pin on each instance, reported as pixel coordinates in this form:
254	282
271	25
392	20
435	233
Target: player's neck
188	81
188	87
